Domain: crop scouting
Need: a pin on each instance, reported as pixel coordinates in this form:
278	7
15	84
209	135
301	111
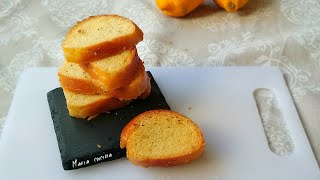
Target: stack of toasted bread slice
102	70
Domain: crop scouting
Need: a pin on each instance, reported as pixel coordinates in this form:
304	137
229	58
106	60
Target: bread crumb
92	117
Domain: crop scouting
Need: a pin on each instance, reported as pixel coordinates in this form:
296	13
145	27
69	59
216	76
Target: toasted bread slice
162	138
114	71
136	87
73	78
82	106
99	36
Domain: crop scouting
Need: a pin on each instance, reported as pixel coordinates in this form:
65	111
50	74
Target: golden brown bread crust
168	161
134	124
127	131
79	86
103	49
136	87
110	82
97	107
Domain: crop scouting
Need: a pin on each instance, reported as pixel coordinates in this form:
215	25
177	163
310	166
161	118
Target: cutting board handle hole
275	128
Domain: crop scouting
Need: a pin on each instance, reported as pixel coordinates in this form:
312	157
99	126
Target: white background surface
236	146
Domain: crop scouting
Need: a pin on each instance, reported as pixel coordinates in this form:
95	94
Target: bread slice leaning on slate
162	138
99	36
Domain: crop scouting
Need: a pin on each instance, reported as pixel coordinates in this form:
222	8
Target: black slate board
83	143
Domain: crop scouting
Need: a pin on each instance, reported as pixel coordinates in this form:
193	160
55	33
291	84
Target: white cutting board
222	104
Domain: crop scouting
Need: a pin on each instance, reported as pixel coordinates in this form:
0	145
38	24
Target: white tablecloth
279	33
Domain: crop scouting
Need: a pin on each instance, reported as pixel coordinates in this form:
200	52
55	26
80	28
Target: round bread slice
99	36
82	106
162	138
115	71
136	87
